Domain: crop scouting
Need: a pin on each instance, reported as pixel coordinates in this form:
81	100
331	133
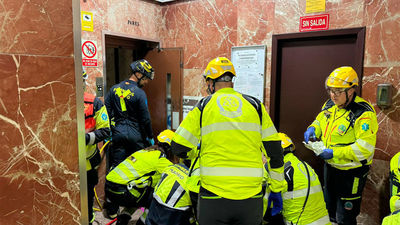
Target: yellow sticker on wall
313	6
87	21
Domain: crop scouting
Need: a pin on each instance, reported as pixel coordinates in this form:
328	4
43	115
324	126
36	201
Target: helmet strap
138	80
347	99
211	89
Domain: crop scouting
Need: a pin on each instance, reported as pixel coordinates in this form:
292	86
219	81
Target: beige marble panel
119	12
39	182
194	82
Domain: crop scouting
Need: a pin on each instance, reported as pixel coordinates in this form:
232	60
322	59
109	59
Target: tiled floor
101	220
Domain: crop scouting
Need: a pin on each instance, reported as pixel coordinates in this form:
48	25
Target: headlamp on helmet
143	66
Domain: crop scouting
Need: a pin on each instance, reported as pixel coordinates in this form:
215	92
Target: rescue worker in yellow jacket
131	183
303	199
347	126
171	203
232	129
394	176
97	129
394	217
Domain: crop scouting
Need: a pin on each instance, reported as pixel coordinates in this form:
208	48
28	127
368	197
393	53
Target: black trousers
125	198
343	191
162	215
92	180
222	211
126	139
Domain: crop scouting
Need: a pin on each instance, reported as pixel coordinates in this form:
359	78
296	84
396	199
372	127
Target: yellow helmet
217	67
286	142
165	136
342	77
395	203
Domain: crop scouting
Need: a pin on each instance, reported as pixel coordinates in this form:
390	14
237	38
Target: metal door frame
279	39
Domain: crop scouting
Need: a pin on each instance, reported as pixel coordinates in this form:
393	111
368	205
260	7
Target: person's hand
310	133
277	203
151	141
326	154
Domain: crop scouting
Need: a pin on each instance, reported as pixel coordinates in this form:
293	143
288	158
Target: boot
110	210
123	219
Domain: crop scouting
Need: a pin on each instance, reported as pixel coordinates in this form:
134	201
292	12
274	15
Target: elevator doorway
164	93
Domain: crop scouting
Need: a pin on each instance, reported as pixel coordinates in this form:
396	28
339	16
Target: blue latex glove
151	141
326	154
276	200
310	133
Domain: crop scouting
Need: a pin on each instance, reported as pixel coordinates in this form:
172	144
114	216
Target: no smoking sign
89	53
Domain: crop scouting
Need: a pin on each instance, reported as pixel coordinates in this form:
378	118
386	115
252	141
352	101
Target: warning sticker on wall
312	23
89	53
87	21
313	6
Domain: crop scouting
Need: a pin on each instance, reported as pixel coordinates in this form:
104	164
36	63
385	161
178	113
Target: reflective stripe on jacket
193	181
97	126
350	132
171	191
395	174
231	142
295	193
141	169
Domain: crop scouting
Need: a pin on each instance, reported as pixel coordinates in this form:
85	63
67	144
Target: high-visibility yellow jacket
232	137
395	174
171	191
294	194
97	127
140	170
394	217
193	180
350	132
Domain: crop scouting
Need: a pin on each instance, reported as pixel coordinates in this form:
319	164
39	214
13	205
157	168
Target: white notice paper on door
175	120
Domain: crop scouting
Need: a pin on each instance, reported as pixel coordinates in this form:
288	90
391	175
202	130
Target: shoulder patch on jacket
203	102
329	104
357	109
255	103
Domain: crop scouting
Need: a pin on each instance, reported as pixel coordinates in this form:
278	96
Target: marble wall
39	173
112	16
39	178
217	25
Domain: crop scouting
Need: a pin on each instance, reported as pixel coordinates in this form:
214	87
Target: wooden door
166	90
300	64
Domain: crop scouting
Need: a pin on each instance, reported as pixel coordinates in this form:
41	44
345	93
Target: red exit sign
318	22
